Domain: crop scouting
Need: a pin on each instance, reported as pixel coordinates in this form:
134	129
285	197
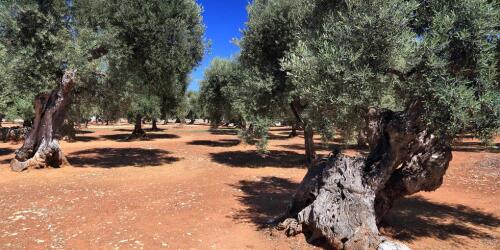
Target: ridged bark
341	199
41	147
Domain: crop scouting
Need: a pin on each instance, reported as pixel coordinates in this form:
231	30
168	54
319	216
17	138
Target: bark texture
41	147
138	132
341	200
309	145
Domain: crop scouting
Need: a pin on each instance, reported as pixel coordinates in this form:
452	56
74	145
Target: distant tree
194	107
144	107
215	89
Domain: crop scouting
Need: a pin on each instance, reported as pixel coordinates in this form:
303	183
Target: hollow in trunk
41	148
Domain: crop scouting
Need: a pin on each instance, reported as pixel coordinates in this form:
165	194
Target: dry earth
192	187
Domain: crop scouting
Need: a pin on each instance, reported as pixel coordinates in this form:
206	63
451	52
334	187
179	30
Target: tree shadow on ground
82	132
120	157
277	137
289	129
149	137
154	130
476	147
223	131
123	130
6	151
79	138
252	159
264	199
416	217
219	143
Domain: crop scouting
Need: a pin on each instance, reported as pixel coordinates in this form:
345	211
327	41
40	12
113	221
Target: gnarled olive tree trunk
342	198
41	148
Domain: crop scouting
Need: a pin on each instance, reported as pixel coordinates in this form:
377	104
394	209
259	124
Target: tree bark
138	131
308	133
41	148
68	131
294	130
154	127
341	200
309	145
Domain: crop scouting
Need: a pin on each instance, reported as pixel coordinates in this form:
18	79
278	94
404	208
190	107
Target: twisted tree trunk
41	148
341	200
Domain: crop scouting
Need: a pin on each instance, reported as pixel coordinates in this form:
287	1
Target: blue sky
223	19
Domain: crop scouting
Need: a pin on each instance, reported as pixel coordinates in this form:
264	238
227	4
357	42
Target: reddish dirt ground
194	188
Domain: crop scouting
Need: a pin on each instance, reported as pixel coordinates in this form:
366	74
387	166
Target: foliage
338	58
215	93
195	111
148	106
119	48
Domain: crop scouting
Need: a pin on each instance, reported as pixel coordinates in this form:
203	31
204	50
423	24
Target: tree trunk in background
68	131
294	130
1	119
296	108
138	131
154	127
41	148
341	200
192	121
309	145
177	120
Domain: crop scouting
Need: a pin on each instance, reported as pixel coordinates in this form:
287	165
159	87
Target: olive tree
437	59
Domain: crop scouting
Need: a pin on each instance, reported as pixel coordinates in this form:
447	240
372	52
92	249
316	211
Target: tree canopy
335	59
117	46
